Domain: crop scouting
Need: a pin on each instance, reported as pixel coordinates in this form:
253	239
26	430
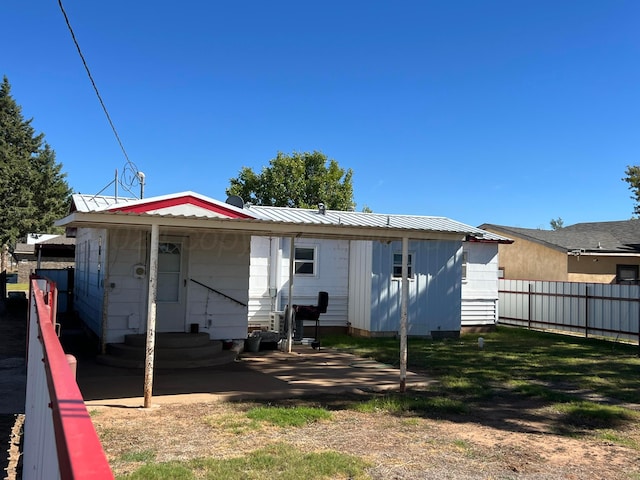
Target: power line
95	87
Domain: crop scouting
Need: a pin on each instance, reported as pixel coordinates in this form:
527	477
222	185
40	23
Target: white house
453	285
218	268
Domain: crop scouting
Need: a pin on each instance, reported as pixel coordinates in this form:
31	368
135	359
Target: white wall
219	261
88	277
360	284
480	288
126	295
222	263
270	269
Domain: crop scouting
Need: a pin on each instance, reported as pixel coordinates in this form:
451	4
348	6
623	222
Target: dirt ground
12	384
505	439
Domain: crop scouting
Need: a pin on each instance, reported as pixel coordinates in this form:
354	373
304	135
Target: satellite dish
236	201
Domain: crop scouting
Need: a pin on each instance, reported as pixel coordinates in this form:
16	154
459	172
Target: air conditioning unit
276	321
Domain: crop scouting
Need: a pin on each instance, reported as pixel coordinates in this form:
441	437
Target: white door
171	294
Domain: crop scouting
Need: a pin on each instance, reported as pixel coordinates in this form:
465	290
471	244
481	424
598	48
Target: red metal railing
78	450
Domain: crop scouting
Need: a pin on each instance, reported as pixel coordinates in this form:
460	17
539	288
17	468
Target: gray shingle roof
615	237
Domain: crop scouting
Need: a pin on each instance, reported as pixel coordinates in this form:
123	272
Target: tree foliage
33	189
633	179
299	180
556	223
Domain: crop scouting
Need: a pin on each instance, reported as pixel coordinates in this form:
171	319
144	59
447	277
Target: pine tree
33	189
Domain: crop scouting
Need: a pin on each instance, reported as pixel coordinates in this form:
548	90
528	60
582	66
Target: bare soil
506	438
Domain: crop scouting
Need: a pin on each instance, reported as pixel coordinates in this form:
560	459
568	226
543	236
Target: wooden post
151	315
289	320
403	314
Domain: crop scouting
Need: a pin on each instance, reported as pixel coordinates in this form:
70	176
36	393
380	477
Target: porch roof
189	210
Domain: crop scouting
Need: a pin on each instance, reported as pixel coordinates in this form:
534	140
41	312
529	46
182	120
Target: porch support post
151	315
403	314
292	253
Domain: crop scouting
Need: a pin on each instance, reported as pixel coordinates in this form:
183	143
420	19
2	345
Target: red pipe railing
80	454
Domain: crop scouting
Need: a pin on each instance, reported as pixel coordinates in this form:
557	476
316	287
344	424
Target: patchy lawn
528	405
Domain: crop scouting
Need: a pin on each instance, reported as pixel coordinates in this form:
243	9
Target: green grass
288	416
280	461
145	456
537	363
411	404
12	287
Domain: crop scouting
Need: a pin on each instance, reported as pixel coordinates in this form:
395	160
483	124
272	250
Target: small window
627	274
465	261
305	261
397	265
500	272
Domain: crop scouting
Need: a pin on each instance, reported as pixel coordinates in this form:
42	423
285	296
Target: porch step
172	350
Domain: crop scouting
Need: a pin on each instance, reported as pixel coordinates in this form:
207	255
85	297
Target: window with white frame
465	262
397	265
305	260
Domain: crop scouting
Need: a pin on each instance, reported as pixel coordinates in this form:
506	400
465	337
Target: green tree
556	223
299	180
33	189
633	179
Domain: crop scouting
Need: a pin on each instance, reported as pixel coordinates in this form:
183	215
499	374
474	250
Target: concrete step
169	340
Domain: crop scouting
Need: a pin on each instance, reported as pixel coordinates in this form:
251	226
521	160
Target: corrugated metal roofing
93	203
286	215
376	220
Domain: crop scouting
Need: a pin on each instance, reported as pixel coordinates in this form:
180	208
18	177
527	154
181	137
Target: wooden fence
589	309
60	441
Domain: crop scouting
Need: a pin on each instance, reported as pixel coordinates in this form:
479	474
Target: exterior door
171	294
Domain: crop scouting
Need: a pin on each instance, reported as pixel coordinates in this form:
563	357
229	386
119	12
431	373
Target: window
397	265
627	274
465	261
305	261
169	262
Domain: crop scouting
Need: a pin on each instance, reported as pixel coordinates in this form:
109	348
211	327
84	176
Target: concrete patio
269	374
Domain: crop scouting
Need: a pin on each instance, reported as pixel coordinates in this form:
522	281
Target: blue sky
508	112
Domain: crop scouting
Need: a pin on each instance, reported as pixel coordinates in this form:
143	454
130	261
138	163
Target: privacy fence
59	439
588	309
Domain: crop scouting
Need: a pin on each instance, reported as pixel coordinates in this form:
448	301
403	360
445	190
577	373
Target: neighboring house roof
621	237
189	209
52	246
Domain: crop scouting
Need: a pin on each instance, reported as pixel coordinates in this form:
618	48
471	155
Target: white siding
222	263
88	281
331	276
270	274
263	269
219	261
480	288
126	295
360	284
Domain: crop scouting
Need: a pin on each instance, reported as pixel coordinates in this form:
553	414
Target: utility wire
95	87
